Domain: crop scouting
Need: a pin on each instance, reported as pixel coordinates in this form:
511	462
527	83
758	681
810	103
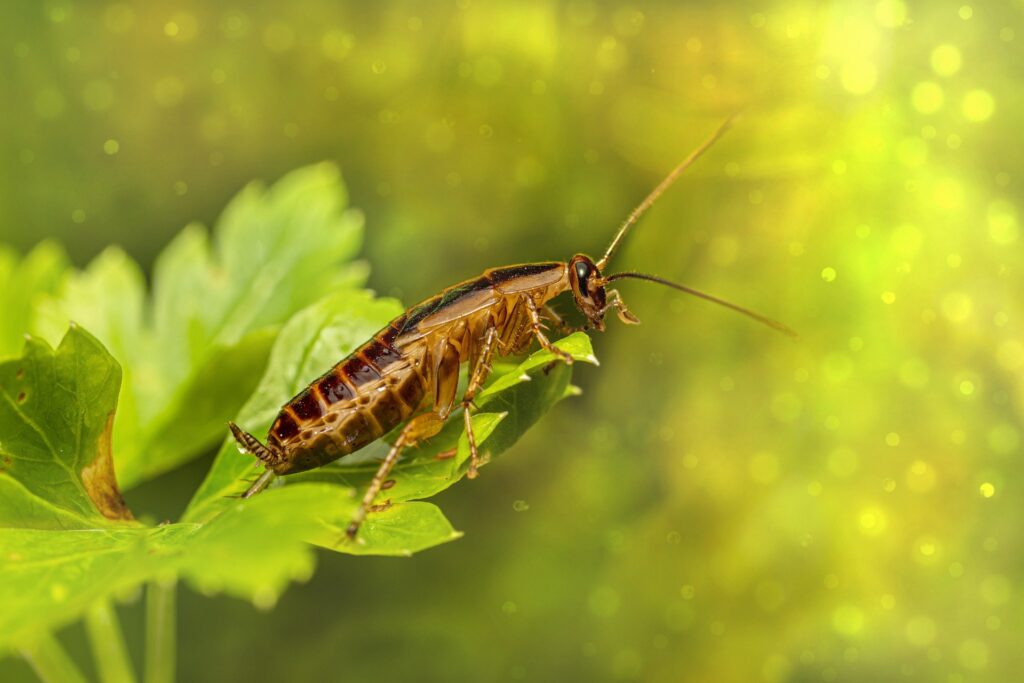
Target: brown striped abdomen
358	401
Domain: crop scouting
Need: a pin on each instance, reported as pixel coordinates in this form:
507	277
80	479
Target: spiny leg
419	428
261	483
481	369
561	326
267	455
615	301
538	331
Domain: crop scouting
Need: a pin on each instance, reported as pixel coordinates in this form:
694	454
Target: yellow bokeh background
722	503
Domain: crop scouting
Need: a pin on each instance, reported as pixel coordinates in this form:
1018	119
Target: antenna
774	324
662	186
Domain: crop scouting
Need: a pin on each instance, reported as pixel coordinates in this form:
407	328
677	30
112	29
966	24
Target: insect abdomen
359	400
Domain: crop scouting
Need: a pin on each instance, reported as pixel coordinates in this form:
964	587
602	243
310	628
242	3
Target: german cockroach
408	373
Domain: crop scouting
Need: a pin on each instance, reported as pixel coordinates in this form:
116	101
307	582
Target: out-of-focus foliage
192	349
722	504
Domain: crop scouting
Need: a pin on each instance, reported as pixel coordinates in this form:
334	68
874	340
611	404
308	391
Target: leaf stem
108	647
51	663
161	637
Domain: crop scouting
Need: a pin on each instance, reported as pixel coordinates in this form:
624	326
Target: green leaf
22	283
56	411
66	539
52	576
400	530
193	349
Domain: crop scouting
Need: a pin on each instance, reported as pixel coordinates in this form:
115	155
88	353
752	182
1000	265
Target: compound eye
582	270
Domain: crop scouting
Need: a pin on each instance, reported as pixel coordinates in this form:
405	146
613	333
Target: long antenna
774	324
662	186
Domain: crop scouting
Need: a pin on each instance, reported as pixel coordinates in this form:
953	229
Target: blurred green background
721	504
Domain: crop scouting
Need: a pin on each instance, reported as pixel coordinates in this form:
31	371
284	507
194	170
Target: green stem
48	659
108	648
161	639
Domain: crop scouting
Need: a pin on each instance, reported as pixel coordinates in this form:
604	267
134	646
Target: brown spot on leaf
100	482
388	484
20	373
21	397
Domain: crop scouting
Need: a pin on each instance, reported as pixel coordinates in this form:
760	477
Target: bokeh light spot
111	147
848	620
872	521
946	59
966	387
891	13
921	631
978	105
843	462
889	297
859	76
973	654
920	476
628	21
235	24
892	439
837	367
927	550
336	45
186	26
957	307
927	97
828	274
987	489
1002	222
948	193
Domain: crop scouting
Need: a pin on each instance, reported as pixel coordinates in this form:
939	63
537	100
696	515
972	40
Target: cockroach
408	373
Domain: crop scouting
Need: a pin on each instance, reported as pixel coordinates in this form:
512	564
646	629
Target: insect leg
561	326
261	483
420	427
538	332
615	301
481	369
